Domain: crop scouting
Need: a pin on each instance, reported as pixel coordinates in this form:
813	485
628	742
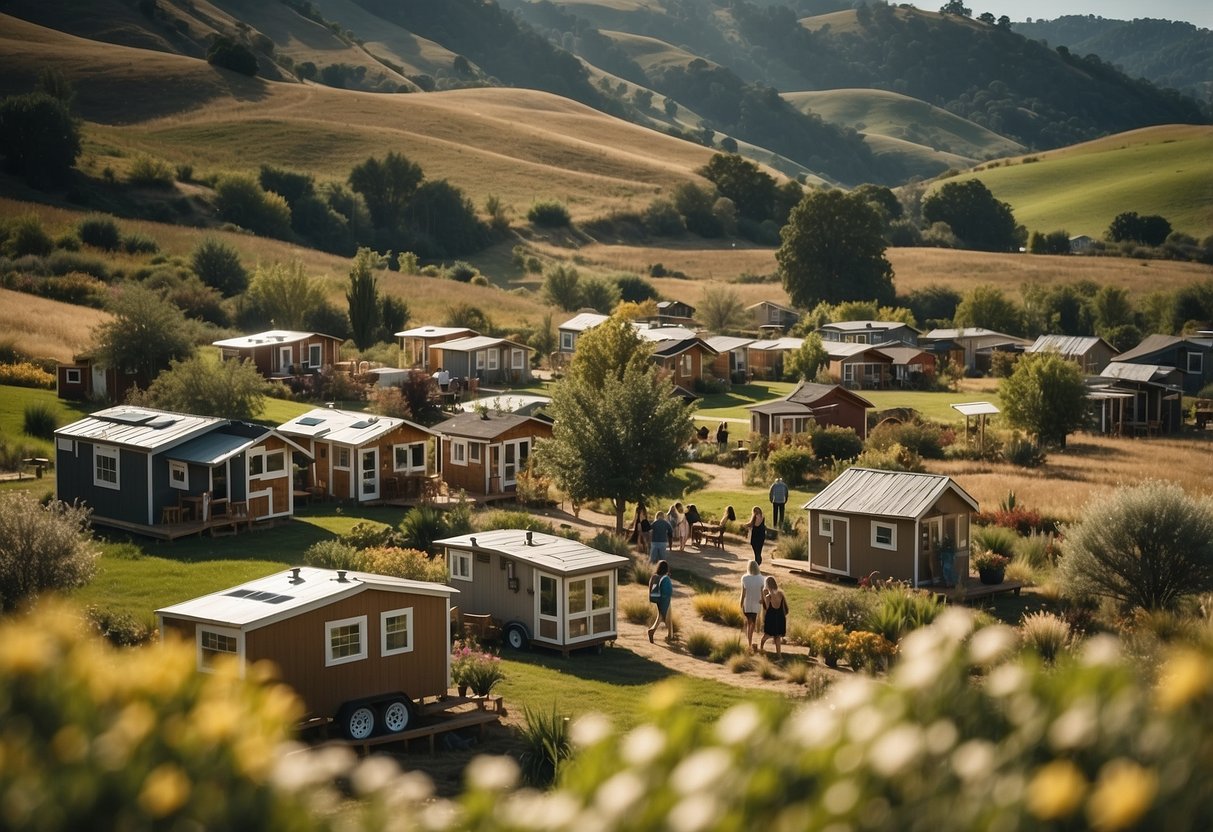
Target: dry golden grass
47	328
1090	465
413	53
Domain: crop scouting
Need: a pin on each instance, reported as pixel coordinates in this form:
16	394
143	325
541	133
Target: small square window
460	565
825	525
884	536
215	643
72	376
1196	362
396	632
105	466
345	640
566	342
178	474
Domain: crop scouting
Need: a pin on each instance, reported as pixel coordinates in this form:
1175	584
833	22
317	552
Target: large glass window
410	458
548	601
589	610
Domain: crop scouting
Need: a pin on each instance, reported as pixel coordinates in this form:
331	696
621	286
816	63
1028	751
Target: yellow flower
164	791
1122	795
1056	790
24	650
1185	676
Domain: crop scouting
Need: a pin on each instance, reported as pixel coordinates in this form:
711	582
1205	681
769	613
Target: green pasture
14	400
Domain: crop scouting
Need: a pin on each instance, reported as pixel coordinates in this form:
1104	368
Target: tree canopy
619	429
39	138
1150	230
1045	396
989	307
833	250
146	334
751	189
721	309
979	220
363	298
233	389
387	186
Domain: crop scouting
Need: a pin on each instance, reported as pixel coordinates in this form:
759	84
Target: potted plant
991	566
482	672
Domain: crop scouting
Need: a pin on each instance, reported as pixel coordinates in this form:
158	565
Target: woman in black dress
775	615
758	532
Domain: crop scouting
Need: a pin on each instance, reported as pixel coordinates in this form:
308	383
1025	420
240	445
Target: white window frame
226	632
286	358
407	614
408	467
892	527
261	459
494	358
459	564
848	372
177	467
566	341
517	362
72	375
475	453
459	452
338	455
687	365
1197	366
330	626
315	355
107	452
825	526
480	359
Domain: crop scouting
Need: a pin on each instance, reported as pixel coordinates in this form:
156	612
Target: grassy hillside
412	52
47	328
1159	170
652	53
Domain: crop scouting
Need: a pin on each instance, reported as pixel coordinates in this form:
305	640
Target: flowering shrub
868	651
990	560
475	667
829	641
25	374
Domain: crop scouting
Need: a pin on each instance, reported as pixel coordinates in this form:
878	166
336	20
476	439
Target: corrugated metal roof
843	349
477	342
885	493
345	427
664	333
276	597
969	332
976	408
778	344
727	343
549	552
1138	372
139	427
269	338
213	448
1071	346
583	321
853	326
1150	345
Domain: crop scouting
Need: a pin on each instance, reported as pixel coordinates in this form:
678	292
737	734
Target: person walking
774	616
640	529
758	533
660	533
661	592
682	529
779	499
722	437
751	600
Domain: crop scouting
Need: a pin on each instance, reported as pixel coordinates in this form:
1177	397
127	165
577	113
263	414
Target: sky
1198	12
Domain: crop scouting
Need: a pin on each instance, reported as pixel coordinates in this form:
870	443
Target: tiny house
544	589
356	647
279	353
483	452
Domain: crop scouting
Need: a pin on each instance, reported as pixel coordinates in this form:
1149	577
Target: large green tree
721	309
1145	546
749	186
282	295
145	334
387	186
363	299
833	250
619	428
233	389
979	220
39	138
989	307
1045	396
806	361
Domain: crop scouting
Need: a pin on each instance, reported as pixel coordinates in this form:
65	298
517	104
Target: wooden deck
172	531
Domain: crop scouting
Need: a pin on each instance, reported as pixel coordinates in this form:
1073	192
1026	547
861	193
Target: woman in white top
751	600
682	529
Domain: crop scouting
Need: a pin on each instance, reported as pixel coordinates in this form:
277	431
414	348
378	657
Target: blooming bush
474	667
868	651
829	642
991	561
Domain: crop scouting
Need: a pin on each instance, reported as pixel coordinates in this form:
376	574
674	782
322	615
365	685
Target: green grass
278	411
934	406
733	404
13	401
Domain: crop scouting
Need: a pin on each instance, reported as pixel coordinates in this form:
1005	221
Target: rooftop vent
295	579
341	579
530	538
473	541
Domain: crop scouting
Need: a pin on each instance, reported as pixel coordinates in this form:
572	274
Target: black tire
397	715
516	637
357	721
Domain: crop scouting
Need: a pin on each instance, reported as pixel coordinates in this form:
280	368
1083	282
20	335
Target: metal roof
269	338
902	354
583	321
140	427
854	326
778	344
279	596
727	343
664	333
1150	345
844	349
970	332
885	493
214	447
476	342
677	346
1068	345
486	425
779	306
434	331
976	408
1156	373
548	552
345	427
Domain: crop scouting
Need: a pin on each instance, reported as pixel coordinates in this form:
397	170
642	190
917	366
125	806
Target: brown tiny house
542	588
898	524
356	647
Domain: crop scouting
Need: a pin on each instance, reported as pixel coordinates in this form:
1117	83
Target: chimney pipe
341	579
295	579
530	538
473	542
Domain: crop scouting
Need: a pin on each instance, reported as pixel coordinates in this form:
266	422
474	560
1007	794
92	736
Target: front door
368	474
837	555
547	607
933	532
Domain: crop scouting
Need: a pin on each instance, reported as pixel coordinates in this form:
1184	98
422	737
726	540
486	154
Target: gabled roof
140	427
778	306
548	552
1154	373
484	425
886	493
1070	346
225	442
280	596
1150	345
844	349
668	349
435	332
270	338
863	326
808	392
777	344
477	342
344	427
666	304
971	332
727	343
583	321
902	354
663	333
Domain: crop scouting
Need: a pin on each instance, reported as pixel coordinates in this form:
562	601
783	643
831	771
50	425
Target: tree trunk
620	505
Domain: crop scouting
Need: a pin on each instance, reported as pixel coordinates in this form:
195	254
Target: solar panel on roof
310	421
161	422
255	595
129	417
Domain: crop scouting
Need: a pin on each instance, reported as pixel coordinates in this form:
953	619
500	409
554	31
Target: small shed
767	314
895	523
356	647
542	588
825	404
730	361
685	360
490	360
1089	352
415	343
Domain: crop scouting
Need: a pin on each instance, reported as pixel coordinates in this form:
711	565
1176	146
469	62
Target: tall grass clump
403	563
1038	550
545	737
147	172
847	608
39	420
100	231
794	546
137	242
1045	634
422	526
727	649
719	608
331	554
739	663
996	539
700	644
642	569
899	610
638	611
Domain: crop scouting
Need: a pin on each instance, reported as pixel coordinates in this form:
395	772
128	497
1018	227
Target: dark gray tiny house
542	588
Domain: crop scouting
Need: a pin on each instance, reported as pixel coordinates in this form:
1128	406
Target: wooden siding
865	558
279	484
473	476
488	593
74	481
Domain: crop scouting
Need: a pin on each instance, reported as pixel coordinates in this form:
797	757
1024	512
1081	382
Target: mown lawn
14	400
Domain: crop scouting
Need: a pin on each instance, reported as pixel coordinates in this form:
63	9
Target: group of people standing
669	531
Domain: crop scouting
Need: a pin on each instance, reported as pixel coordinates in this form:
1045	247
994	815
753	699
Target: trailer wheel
358	723
396	716
516	637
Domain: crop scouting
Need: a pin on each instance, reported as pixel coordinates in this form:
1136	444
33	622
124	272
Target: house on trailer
825	404
1089	352
541	588
912	367
483	358
971	347
1192	356
1136	399
281	353
859	366
572	329
358	648
84	378
685	360
730	361
869	332
415	343
150	471
893	523
769	315
483	452
359	456
675	313
767	358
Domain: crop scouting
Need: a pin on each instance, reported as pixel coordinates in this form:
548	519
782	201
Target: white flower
492	773
373	773
616	797
896	749
989	644
1076	727
693	814
1005	680
813	726
973	760
739	724
701	771
840	797
643	745
589	729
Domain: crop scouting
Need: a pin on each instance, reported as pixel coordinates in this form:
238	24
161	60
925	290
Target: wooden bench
708	533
